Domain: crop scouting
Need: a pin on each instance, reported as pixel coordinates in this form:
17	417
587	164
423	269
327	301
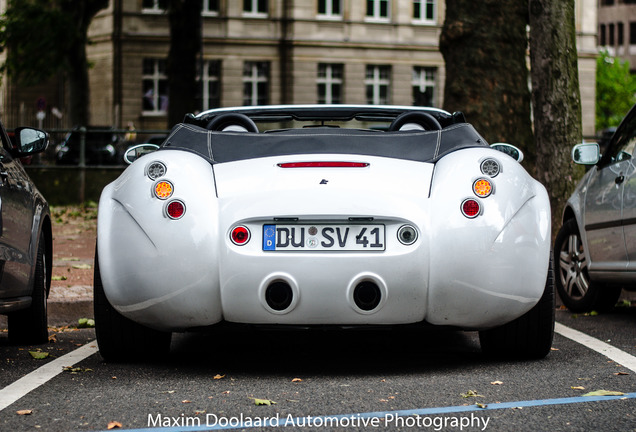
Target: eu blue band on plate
269	237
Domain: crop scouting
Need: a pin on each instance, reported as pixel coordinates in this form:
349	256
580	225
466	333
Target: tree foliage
45	37
615	90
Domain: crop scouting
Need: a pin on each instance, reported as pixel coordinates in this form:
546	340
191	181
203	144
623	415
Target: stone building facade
283	51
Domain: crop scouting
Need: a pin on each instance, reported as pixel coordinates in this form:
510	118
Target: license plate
320	237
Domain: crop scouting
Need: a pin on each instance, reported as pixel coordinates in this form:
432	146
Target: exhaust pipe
279	295
367	295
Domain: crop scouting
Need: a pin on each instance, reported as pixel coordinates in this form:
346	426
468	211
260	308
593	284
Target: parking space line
626	360
41	375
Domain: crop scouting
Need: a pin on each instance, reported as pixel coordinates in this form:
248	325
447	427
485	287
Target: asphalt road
319	381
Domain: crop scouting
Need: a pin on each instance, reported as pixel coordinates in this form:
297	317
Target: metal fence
79	162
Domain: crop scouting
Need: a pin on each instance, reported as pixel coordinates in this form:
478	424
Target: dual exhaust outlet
279	295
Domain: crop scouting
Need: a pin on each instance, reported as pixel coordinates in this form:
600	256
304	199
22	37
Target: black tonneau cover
422	146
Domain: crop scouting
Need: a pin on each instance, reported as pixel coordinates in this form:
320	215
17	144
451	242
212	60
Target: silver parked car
595	249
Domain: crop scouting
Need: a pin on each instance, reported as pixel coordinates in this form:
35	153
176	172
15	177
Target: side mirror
586	154
135	152
29	141
508	149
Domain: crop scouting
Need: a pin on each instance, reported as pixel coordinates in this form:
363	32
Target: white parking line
621	357
40	376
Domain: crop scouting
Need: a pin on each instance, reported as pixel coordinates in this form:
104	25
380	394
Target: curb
66	305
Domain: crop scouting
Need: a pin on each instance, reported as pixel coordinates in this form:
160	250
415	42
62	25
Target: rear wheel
119	338
530	335
577	291
29	326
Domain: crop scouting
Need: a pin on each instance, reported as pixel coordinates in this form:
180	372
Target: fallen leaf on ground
604	393
296	380
39	355
114	425
263	402
621	373
218	376
497	383
578	388
481	405
471	393
24	412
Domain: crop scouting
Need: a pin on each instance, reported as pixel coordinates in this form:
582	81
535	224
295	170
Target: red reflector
175	209
240	235
471	208
324	164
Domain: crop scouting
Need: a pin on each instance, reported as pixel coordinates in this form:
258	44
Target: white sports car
324	215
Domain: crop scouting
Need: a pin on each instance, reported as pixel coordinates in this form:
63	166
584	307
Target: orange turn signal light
482	187
163	189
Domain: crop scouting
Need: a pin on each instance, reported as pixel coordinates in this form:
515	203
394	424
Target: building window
155	86
610	36
602	36
423	84
378	84
378	10
154	6
424	11
210	7
255	8
329	82
329	9
255	83
607	2
621	34
632	33
209	81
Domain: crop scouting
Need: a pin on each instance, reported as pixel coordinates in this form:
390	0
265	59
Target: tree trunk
79	88
556	97
185	44
484	46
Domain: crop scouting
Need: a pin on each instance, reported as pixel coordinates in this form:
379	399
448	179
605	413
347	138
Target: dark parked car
103	147
595	249
25	240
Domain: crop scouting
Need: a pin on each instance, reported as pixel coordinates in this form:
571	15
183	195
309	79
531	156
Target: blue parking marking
363	418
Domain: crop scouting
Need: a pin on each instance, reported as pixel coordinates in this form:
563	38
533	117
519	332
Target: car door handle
620	179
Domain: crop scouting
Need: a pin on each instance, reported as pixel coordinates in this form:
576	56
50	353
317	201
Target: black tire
530	335
577	292
120	339
30	326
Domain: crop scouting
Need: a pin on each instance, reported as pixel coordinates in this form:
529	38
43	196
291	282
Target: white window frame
425	77
205	9
155	9
376	82
329	81
156	77
423	19
254	12
329	13
254	79
376	17
206	80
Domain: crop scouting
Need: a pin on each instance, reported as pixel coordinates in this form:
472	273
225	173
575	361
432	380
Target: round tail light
240	235
175	209
471	208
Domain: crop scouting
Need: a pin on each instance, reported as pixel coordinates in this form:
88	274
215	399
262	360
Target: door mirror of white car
509	149
135	152
586	154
